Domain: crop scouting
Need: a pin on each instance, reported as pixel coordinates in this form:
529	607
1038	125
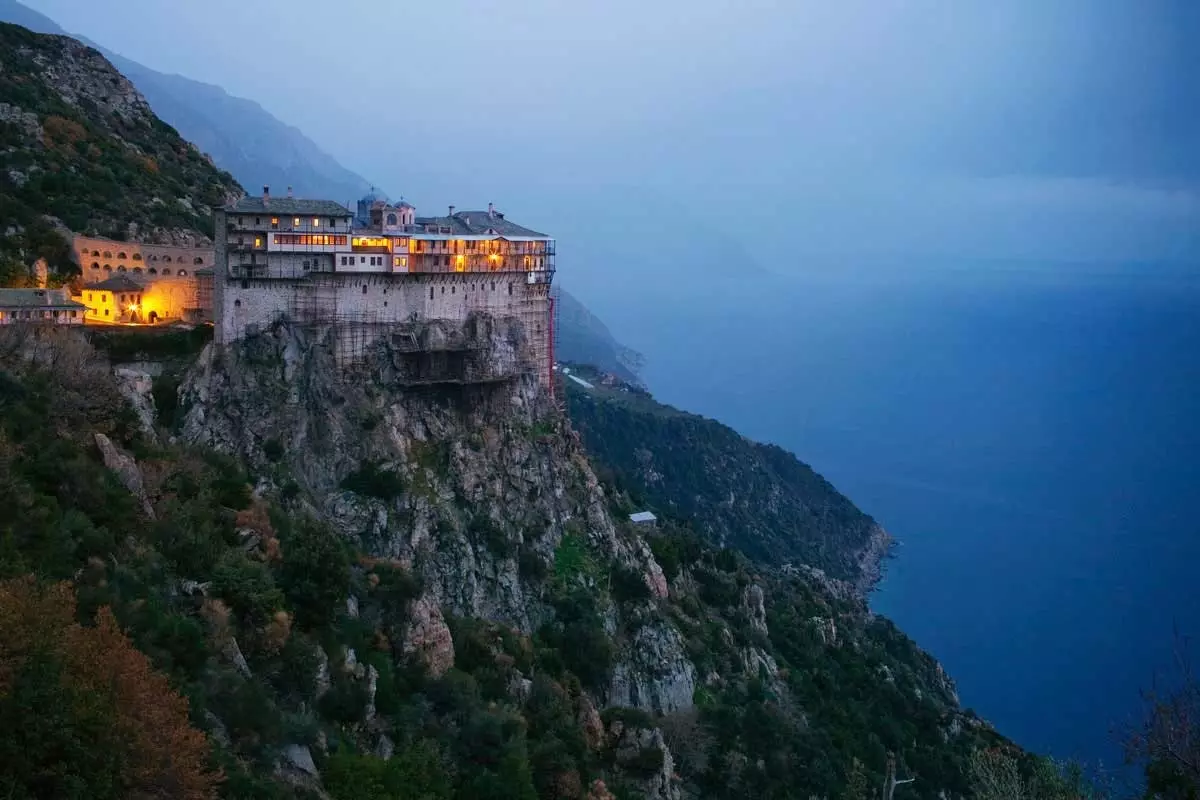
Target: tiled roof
477	223
37	298
288	205
117	283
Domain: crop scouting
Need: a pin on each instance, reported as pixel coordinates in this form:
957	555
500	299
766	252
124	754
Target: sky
795	131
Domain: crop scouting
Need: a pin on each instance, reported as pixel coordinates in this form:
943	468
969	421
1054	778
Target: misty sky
1045	129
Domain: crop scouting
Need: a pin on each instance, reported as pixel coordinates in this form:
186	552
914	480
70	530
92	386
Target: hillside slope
755	497
239	134
79	143
430	591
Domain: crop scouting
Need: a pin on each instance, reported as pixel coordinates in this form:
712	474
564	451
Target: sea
1029	433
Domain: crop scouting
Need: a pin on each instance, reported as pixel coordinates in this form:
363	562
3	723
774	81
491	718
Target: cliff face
474	487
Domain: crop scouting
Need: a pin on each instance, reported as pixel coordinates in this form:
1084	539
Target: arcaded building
381	271
171	283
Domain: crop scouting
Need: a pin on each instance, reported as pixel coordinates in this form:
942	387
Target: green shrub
627	584
629	717
483	530
247	586
315	572
273	450
165	391
416	771
370	480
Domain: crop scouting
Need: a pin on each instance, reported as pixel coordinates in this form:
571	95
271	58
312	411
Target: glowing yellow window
258	241
459	263
316	222
274	222
295	222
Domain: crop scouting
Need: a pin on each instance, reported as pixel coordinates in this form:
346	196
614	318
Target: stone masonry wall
372	301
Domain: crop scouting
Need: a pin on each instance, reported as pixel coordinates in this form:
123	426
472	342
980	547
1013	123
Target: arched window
95	265
237	303
108	268
137	256
154	258
107	254
182	272
96	253
167	259
166	272
391	219
153	270
122	254
137	270
120	267
197	260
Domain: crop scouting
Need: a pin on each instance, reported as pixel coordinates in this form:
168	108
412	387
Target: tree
316	571
890	782
1167	743
857	787
83	713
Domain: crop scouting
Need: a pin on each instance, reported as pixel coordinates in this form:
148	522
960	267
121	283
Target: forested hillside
315	662
755	497
80	149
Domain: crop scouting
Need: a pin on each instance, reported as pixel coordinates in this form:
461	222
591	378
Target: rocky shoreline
871	558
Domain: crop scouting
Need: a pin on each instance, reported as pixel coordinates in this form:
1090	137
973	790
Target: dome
374	196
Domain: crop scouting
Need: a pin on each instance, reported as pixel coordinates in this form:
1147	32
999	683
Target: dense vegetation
77	143
241	604
757	498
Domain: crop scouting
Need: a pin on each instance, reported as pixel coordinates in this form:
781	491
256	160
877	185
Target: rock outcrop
462	484
654	674
428	636
127	470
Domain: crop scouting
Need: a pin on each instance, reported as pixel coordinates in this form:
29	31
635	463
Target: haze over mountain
240	136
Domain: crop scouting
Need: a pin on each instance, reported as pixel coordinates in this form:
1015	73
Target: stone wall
369	301
377	304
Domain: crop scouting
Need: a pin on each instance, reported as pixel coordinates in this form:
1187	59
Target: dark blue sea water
1031	436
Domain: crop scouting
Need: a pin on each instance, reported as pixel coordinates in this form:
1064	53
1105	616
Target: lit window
295	222
274	222
316	222
258	241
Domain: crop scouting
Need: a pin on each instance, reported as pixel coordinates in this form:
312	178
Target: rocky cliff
474	487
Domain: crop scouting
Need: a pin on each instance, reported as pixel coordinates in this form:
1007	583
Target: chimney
452	211
491	210
266	194
289	191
